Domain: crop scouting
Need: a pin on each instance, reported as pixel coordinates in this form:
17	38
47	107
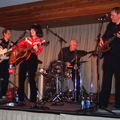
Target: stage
47	111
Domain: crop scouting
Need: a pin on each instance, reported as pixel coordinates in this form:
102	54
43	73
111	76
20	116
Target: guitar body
22	55
106	47
3	54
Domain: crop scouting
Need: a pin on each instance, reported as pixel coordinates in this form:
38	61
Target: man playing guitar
4	74
111	63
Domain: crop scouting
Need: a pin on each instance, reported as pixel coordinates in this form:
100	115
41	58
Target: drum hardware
58	93
56	72
75	55
45	73
61	40
57	67
68	93
91	84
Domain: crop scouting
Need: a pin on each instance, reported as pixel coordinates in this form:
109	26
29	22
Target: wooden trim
49	10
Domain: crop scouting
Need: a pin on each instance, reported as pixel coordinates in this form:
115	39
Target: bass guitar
107	42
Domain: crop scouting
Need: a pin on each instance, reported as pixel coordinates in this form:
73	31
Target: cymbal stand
91	84
81	82
75	84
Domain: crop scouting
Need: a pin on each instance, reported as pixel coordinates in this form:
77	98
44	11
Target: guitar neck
110	40
29	48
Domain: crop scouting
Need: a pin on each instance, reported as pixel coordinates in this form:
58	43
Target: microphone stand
61	40
15	73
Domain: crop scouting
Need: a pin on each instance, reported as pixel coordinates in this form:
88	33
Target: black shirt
4	44
115	45
65	58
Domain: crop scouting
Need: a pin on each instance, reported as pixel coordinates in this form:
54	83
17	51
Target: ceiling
55	13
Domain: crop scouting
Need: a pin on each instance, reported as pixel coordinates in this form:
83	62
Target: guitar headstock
45	43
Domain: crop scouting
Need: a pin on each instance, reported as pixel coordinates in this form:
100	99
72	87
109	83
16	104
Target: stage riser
23	115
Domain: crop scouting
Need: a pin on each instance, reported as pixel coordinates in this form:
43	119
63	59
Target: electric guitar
23	54
107	42
4	53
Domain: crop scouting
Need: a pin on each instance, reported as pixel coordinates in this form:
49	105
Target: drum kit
58	71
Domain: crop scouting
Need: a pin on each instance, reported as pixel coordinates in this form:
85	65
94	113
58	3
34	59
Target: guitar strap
8	44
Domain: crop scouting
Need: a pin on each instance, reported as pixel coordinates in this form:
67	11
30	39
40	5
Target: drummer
70	61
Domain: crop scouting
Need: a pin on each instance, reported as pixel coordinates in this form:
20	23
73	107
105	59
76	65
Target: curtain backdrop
86	35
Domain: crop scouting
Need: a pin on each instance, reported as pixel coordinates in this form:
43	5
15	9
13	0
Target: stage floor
65	108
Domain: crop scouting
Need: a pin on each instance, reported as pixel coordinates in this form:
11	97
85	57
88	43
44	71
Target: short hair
5	30
116	9
38	29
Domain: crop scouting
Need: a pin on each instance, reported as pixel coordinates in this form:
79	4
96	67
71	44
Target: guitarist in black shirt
4	74
111	63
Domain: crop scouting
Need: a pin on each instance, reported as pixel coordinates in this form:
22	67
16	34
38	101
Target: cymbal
40	62
80	53
81	62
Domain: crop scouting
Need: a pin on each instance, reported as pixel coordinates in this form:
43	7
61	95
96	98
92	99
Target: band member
4	74
72	47
111	63
30	64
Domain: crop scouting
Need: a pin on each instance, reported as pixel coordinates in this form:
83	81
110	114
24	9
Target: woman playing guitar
30	64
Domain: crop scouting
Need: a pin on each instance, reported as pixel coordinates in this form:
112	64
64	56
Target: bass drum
56	68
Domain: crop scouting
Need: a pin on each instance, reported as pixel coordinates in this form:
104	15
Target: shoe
20	103
32	105
103	106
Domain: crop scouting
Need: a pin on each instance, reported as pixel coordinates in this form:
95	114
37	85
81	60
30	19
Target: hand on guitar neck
118	34
101	42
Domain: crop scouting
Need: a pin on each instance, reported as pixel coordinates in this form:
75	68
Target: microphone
47	29
103	17
26	31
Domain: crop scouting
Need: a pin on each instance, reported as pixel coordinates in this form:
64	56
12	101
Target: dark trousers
111	66
29	65
4	76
